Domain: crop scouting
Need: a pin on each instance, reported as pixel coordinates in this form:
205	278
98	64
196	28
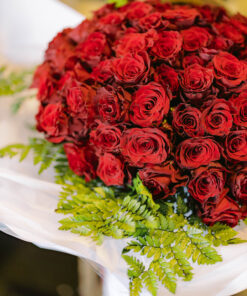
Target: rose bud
131	68
82	160
207	182
141	146
112	104
240	104
137	10
230	32
195	38
167	77
149	106
153	21
236	145
53	121
217	118
163	180
239	185
229	70
106	137
102	72
196	82
110	170
93	49
168	45
224	210
196	152
181	16
187	121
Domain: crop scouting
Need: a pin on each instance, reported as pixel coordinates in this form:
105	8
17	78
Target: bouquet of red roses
150	95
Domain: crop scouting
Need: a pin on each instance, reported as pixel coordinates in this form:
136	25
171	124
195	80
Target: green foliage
118	3
164	235
245	221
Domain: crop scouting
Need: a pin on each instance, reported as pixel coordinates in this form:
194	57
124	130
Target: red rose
196	152
217	118
82	160
73	65
137	10
153	21
131	68
192	59
106	137
103	72
93	48
163	180
141	146
196	82
78	129
181	16
240	104
229	71
81	32
195	38
207	182
236	145
110	24
168	45
112	104
187	121
230	32
53	121
168	77
149	106
224	210
239	185
239	22
110	170
221	43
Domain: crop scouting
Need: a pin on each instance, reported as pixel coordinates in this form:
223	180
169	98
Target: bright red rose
163	180
191	59
240	104
149	106
103	71
224	210
168	77
82	160
196	152
53	121
112	104
106	137
230	32
153	21
93	49
207	182
236	145
167	46
181	16
229	71
142	146
110	170
187	121
217	118
196	82
131	68
137	10
194	38
239	185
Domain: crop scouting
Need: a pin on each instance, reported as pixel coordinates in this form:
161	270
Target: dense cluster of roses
155	89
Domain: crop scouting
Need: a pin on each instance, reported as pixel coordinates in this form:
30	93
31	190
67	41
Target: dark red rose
187	121
41	73
229	71
168	45
224	210
207	182
230	32
163	180
93	48
78	129
236	145
81	32
53	121
168	77
141	146
149	106
196	82
239	185
153	21
137	10
207	54
103	71
194	38
110	170
221	43
82	160
131	68
181	16
240	104
217	118
192	59
239	22
110	24
106	137
112	104
196	152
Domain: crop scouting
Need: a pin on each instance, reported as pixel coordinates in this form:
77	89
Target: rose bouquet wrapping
144	111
